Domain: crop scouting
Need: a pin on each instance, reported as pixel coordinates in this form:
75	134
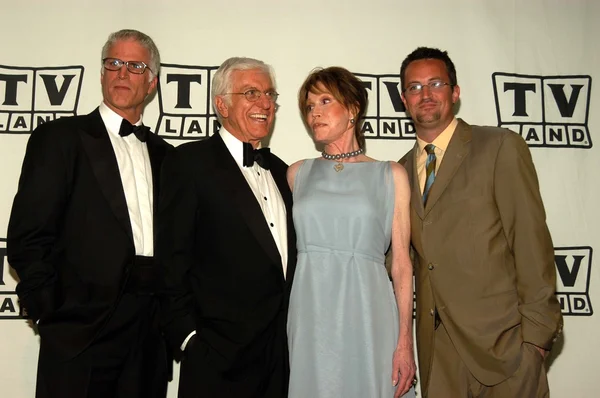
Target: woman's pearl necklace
339	166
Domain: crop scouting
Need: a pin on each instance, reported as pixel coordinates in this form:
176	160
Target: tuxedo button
430	266
432	312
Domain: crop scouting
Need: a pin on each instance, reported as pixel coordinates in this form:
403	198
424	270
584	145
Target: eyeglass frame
432	86
126	65
271	95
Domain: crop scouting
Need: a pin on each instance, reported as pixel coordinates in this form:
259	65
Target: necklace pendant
338	167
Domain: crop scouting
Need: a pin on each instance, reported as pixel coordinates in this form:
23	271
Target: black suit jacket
224	273
69	235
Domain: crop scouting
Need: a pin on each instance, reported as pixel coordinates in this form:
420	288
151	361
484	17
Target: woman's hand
403	370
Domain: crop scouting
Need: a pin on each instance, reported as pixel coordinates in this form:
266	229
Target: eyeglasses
136	67
253	95
416	88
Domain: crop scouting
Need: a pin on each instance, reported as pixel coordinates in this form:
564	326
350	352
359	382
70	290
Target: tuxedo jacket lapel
244	200
458	148
279	175
103	161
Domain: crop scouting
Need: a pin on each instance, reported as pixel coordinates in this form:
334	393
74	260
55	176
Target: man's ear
455	93
152	86
404	102
221	106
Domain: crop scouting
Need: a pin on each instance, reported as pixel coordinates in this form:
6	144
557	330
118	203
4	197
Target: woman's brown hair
346	88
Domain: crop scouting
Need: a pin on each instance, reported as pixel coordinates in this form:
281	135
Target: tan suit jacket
483	255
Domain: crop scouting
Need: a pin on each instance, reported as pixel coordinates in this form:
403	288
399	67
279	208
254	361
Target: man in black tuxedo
226	239
80	237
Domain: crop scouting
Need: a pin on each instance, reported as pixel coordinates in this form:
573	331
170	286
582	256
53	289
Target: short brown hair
345	88
428	53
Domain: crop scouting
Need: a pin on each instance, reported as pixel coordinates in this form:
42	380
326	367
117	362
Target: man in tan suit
487	314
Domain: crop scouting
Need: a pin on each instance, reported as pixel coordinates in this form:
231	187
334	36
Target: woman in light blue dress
349	335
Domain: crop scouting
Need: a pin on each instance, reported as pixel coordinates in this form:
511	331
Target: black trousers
126	359
266	377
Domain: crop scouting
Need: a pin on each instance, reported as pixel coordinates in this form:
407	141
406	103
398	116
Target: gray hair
222	82
143	39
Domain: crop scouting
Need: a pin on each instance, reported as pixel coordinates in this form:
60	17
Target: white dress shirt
268	197
136	176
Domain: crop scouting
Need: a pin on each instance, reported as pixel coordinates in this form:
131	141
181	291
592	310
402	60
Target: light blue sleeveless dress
343	317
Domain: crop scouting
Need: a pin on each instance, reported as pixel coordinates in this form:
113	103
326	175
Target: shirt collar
112	120
234	146
441	141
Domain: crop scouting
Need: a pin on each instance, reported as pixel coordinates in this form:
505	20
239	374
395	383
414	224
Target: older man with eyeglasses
226	239
81	238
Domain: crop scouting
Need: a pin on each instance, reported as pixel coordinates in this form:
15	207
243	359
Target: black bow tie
141	132
261	156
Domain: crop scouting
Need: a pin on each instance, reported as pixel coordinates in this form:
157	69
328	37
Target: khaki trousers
450	378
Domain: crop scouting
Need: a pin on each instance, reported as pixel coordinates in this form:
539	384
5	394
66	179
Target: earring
352	120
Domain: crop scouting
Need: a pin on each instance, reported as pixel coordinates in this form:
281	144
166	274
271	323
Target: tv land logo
548	111
386	116
30	96
574	266
9	302
185	105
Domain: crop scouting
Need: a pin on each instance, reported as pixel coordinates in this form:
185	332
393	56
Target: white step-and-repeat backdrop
528	65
